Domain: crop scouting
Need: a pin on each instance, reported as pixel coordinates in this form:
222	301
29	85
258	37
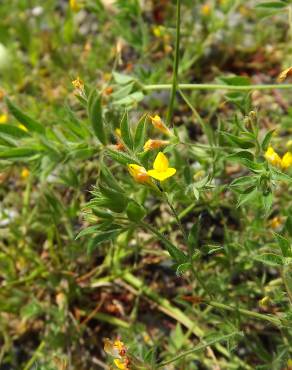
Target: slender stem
218	87
157	233
35	356
273	320
175	65
177	219
199	348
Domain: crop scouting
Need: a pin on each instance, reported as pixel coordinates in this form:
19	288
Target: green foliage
191	272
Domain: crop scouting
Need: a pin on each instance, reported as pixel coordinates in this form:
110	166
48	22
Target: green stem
175	65
273	320
223	338
218	87
35	356
177	219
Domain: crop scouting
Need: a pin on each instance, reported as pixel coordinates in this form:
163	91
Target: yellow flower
158	31
115	349
118	132
275	222
139	173
154	144
283	75
206	10
121	364
273	157
78	84
264	302
286	161
22	127
158	123
25	173
161	170
75	7
3	118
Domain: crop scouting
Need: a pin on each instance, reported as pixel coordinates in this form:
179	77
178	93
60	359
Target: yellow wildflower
158	123
78	83
158	31
118	132
283	75
25	173
161	170
22	127
275	222
273	157
115	349
264	301
286	161
75	7
154	144
139	173
3	118
121	364
206	10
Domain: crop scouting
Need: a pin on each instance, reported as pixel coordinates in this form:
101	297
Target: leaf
175	253
247	197
95	116
267	201
272	5
120	157
241	155
280	176
122	79
243	180
267	139
107	177
238	141
140	133
31	124
100	238
125	131
236	80
131	99
183	267
122	92
193	237
246	158
116	201
284	245
13	131
270	259
88	231
18	153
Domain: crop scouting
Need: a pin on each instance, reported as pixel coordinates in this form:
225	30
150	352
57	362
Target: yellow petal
283	75
286	160
273	157
3	118
120	365
161	162
161	176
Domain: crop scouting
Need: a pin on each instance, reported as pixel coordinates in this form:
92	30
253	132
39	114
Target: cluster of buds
159	125
78	85
273	157
118	351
